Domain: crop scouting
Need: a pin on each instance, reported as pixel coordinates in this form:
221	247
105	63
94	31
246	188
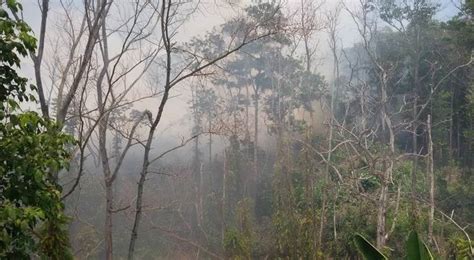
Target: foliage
33	151
236	244
369	251
238	241
15	42
295	217
415	248
460	248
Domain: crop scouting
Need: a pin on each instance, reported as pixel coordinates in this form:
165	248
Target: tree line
281	161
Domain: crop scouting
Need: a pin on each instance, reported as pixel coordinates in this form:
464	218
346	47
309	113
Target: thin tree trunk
414	210
335	75
432	180
108	188
247	130
381	212
99	18
321	223
211	177
197	164
165	8
458	139
108	221
197	181
210	145
255	146
223	224
38	58
141	183
387	165
451	128
103	124
107	174
200	195
334	215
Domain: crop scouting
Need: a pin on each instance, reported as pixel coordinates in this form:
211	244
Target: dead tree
116	71
196	67
367	28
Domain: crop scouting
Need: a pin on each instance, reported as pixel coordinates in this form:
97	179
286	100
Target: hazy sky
209	15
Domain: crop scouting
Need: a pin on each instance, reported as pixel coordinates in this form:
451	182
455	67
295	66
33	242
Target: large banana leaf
368	251
416	249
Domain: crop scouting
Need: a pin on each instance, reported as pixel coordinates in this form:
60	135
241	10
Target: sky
206	17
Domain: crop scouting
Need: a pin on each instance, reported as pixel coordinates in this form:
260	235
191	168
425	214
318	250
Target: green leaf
416	249
13	104
12	4
368	251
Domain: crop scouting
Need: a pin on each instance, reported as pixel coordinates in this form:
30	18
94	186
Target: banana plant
416	249
367	250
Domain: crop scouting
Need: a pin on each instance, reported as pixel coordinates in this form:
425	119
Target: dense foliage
32	151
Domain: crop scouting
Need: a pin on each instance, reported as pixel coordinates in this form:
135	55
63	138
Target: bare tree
94	17
309	25
94	14
195	67
110	72
367	27
117	70
332	19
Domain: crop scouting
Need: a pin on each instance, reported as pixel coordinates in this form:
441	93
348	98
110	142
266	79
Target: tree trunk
104	157
37	60
321	223
108	184
334	215
414	210
200	196
381	212
255	146
138	204
210	147
98	22
335	76
386	175
211	178
247	130
108	221
451	127
432	180
223	224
